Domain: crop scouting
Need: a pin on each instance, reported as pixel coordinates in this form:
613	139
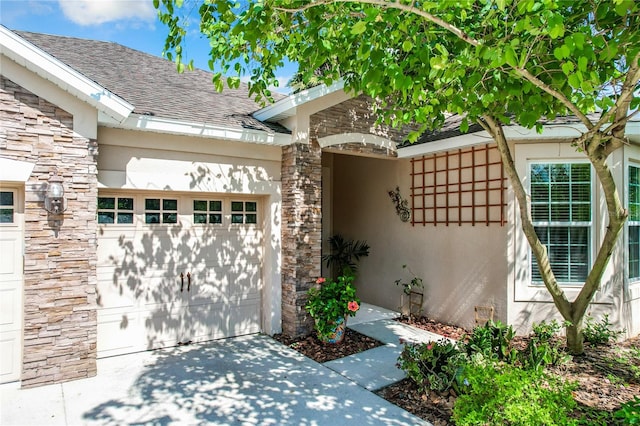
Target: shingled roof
153	85
451	128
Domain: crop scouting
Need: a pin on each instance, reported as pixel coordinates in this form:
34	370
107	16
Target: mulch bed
311	347
600	385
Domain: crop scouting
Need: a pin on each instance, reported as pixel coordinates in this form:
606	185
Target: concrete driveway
250	380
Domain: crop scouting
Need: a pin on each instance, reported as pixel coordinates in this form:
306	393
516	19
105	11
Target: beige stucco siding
147	161
462	266
136	160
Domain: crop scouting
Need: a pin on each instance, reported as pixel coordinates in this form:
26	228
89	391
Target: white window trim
591	224
116	210
519	269
14	206
627	178
185	208
208	199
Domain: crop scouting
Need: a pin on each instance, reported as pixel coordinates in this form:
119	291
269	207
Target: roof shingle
153	85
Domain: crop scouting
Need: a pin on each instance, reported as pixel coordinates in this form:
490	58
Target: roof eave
513	133
178	127
287	107
66	78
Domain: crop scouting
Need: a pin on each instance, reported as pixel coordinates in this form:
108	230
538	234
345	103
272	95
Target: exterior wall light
54	196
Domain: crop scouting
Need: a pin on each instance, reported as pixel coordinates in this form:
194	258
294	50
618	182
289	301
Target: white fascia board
287	107
512	133
176	127
365	139
633	131
14	170
46	66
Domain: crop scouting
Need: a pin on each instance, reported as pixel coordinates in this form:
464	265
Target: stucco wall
533	303
59	259
158	162
462	266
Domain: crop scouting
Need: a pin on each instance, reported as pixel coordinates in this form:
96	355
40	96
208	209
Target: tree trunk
571	311
575	338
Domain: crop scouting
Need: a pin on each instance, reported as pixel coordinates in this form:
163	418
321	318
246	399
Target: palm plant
344	254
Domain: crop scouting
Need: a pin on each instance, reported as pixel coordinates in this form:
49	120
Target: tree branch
558	95
398	6
539	250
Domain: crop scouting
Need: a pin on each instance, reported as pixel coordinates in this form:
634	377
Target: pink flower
353	306
320	280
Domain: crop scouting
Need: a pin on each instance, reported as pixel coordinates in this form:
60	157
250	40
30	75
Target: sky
132	23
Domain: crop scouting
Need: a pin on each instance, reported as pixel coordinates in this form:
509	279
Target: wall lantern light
54	196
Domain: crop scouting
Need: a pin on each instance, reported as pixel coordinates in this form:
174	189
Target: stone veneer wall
352	116
60	319
301	232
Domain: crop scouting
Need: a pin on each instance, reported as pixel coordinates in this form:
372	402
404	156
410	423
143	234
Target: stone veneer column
60	317
301	232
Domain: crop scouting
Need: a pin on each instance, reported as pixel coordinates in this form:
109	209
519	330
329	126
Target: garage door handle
181	281
189	281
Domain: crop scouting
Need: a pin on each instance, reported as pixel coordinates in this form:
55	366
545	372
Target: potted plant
329	303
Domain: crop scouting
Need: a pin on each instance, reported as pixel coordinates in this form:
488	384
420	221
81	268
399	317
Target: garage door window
207	211
159	210
7	206
115	210
244	212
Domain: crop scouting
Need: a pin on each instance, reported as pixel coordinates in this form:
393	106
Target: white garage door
11	278
174	269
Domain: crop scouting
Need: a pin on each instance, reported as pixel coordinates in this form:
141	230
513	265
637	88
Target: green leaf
562	52
568	68
510	57
624	7
586	86
407	45
582	63
574	81
359	28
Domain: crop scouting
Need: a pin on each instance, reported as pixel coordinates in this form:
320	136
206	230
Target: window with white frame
207	211
633	223
160	210
7	206
115	210
244	212
561	213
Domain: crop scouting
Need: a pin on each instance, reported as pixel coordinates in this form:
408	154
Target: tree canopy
497	62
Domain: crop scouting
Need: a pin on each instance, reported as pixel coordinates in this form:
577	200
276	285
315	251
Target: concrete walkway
376	368
250	380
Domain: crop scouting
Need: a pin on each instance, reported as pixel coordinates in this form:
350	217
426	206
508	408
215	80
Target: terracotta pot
337	332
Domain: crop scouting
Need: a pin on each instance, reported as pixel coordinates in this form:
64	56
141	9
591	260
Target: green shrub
544	347
492	340
504	394
600	333
629	412
432	366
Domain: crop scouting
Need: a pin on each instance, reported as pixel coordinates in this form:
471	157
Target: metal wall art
402	205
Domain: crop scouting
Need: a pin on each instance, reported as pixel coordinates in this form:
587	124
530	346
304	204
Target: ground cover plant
530	380
605	381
